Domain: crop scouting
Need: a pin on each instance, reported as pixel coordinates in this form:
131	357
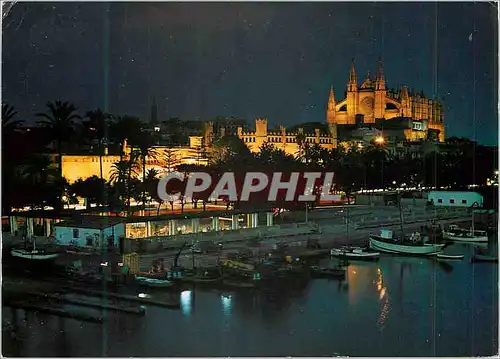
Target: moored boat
319	272
153	282
449	256
33	254
356	253
454	233
415	245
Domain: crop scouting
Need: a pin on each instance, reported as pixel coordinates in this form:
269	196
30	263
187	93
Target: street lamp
379	140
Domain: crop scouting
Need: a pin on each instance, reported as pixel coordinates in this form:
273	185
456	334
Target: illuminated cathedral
372	103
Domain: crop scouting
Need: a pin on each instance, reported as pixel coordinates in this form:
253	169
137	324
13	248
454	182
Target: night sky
272	60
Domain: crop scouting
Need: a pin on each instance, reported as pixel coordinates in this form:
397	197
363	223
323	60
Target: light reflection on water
186	302
385	306
384	298
226	304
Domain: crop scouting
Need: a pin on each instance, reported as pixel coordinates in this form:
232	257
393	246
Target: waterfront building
455	198
86	231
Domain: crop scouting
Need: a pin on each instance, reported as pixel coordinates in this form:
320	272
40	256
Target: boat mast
400	216
347	223
472	221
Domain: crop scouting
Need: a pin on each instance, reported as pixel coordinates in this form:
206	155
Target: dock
53	311
125	297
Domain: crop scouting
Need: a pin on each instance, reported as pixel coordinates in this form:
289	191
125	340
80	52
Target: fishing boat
454	233
33	253
320	272
153	282
449	256
414	245
356	253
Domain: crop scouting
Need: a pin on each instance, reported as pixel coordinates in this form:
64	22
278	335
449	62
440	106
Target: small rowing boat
356	253
153	282
449	256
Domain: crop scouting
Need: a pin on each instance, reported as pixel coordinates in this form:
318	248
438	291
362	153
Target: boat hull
33	255
464	238
422	250
450	256
365	256
154	283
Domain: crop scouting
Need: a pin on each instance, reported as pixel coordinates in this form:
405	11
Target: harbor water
398	306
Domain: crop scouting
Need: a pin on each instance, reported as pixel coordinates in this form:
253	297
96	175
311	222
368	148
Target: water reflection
384	298
186	302
226	303
387	309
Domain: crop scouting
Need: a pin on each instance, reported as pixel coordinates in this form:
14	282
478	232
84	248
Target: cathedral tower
405	103
352	92
380	92
153	120
330	117
330	111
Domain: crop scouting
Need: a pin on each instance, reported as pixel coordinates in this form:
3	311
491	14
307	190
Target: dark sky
272	60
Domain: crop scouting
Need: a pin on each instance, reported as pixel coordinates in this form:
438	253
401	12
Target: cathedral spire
153	120
330	110
352	85
380	80
331	99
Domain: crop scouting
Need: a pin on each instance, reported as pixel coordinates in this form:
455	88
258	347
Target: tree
91	189
121	176
58	120
227	149
96	129
143	152
171	160
9	122
126	128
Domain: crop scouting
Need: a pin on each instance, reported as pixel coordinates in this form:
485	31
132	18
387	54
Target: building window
464	201
75	233
452	201
440	200
417	126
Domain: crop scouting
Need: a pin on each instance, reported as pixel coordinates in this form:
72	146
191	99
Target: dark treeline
32	178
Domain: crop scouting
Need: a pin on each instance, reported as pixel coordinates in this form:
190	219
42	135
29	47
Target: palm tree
151	186
9	123
121	176
59	122
300	138
97	128
144	151
126	127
